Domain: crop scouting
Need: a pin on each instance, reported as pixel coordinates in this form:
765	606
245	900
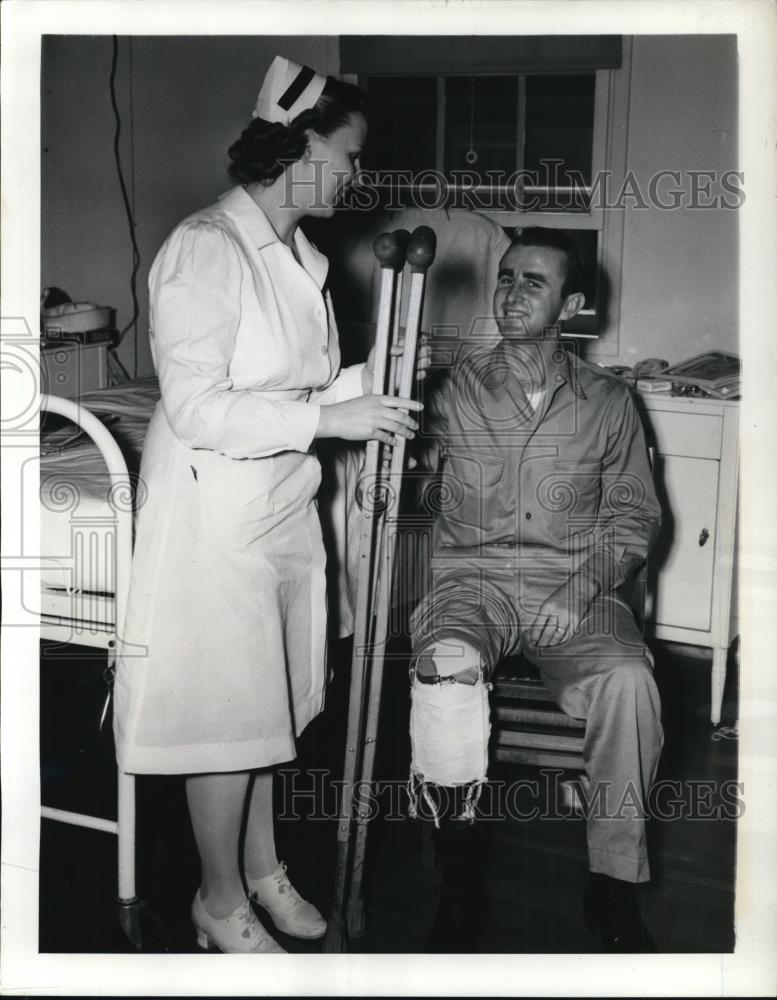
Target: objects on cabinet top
650	367
714	373
654	385
83	322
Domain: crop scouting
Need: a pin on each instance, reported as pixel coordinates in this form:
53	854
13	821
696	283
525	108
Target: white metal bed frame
103	634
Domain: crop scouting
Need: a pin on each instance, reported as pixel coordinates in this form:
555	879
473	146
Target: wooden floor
536	868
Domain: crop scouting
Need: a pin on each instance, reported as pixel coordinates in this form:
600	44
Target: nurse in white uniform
223	661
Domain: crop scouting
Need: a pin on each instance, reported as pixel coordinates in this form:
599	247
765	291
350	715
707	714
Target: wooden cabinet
692	594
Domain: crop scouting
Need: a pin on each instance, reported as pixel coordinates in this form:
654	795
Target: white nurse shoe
239	932
289	911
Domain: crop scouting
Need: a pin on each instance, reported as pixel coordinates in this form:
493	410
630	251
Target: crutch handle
389	251
420	253
403	237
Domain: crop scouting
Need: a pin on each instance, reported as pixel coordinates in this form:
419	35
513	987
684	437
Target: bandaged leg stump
450	726
449	733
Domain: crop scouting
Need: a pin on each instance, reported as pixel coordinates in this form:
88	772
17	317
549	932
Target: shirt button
528	515
324	349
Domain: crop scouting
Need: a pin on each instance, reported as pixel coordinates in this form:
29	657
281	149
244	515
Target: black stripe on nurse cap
288	89
296	88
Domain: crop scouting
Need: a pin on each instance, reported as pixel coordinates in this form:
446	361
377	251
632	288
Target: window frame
611	98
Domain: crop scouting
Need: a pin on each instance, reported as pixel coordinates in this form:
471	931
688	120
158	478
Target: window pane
559	126
402	131
481	118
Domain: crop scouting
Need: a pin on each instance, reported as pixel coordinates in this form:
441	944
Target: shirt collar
561	368
252	220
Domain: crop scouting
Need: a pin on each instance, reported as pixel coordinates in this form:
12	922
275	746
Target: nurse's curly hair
265	149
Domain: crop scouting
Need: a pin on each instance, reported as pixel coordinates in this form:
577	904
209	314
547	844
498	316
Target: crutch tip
336	940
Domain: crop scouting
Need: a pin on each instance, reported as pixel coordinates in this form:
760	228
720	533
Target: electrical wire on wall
128	208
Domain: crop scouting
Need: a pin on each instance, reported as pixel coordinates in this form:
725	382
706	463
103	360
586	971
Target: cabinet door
682	561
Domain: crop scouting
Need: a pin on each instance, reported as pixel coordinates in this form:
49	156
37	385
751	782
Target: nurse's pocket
243	500
235	495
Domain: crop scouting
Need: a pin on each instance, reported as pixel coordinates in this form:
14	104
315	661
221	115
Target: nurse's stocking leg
266	880
259	855
216	807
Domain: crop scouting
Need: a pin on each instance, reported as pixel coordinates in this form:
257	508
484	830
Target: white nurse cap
288	89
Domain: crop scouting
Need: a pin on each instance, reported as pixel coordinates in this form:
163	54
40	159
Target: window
479	127
403	115
531	138
525	149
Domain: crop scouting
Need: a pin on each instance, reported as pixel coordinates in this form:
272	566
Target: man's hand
562	612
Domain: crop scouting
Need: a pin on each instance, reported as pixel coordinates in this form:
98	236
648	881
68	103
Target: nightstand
692	592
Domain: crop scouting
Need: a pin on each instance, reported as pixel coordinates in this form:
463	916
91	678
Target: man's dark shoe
610	907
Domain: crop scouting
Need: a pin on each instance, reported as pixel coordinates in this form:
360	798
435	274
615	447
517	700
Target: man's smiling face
529	296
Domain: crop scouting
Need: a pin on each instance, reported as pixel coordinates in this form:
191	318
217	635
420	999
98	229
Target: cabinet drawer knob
703	536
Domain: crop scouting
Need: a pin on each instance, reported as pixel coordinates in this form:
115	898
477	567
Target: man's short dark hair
555	239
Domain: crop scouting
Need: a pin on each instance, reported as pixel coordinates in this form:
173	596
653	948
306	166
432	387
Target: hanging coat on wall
222	663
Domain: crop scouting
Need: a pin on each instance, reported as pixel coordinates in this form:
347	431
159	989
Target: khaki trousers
602	673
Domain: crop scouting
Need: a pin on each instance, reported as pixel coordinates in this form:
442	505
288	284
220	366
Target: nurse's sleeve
347	385
195	313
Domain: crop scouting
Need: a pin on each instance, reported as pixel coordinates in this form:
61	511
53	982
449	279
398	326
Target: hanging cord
116	370
130	218
471	155
471	112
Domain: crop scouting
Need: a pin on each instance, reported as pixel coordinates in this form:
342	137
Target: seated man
545	508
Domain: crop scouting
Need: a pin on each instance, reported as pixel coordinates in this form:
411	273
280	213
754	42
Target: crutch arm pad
389	251
425	233
420	254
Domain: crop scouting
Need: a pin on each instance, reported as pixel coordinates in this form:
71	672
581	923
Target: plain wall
679	275
183	100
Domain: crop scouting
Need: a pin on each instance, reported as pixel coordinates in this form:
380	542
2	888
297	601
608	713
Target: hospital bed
89	492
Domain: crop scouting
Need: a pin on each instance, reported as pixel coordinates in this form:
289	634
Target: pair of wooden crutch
378	493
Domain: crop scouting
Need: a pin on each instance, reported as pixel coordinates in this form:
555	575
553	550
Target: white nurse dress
222	663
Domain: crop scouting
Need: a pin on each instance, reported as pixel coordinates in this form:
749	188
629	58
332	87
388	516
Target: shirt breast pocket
569	493
471	497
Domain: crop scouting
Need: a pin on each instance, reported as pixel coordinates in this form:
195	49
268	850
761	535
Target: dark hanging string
128	210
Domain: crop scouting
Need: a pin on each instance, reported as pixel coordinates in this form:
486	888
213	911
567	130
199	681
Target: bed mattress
79	502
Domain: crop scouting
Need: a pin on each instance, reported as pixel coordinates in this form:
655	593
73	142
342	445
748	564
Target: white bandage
450	728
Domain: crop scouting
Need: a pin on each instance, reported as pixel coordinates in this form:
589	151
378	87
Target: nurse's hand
369	418
422	362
